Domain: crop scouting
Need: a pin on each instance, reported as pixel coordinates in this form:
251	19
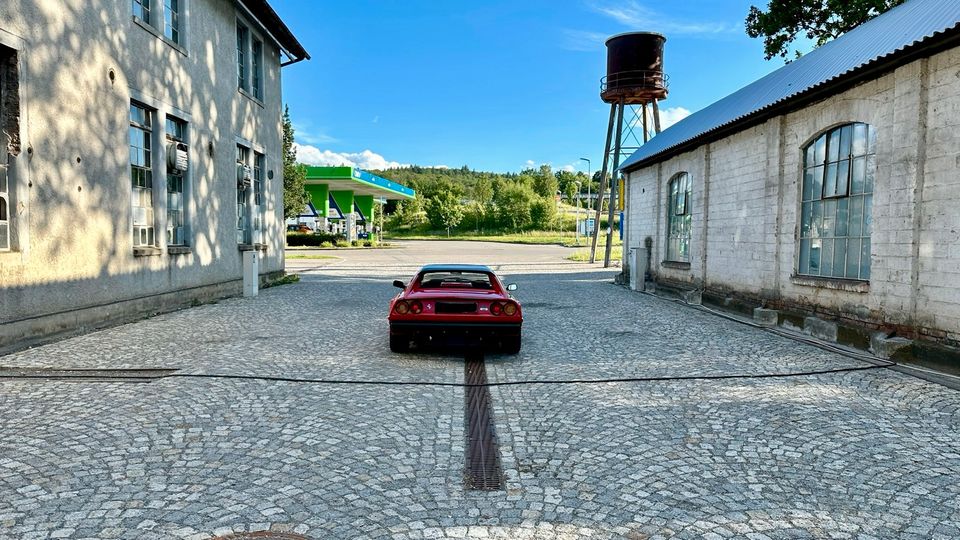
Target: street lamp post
589	200
579	184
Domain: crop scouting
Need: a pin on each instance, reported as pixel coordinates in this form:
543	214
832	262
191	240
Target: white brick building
831	186
140	156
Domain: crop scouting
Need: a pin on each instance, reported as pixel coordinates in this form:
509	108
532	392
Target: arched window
837	200
678	219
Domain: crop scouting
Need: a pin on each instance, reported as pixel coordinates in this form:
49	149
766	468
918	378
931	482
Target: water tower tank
634	69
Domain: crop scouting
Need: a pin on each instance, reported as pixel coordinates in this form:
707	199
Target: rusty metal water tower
634	84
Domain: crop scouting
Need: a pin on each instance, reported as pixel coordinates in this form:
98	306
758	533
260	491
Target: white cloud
367	159
529	164
671	116
635	15
302	132
582	40
568	168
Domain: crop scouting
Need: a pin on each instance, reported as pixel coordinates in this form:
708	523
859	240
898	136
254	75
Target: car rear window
448	279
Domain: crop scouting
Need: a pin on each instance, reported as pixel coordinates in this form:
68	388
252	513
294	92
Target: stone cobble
865	454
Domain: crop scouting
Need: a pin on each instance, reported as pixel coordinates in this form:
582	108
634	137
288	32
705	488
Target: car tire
399	344
510	345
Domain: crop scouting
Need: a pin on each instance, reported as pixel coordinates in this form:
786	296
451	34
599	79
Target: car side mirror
399	284
512	287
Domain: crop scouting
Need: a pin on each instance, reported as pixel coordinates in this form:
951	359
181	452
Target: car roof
456	268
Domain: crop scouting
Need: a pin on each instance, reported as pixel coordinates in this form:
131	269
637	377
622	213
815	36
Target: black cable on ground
522	382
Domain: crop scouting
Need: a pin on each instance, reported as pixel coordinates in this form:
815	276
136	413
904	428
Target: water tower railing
657	80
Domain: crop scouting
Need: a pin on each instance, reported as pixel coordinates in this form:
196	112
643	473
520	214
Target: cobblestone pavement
862	454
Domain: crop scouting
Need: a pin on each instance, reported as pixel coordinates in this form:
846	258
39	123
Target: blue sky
495	85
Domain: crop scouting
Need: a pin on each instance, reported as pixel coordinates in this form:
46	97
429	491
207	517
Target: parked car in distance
455	305
301	228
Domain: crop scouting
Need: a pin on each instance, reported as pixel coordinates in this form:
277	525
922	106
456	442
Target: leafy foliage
819	20
294	176
444	210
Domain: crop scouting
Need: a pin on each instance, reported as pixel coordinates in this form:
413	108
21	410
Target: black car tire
399	344
510	345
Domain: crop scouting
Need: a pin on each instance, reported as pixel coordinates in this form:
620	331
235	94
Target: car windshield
455	278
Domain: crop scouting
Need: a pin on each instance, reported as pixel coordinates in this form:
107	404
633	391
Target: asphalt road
249	438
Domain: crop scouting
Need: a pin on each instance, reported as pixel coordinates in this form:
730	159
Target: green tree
444	210
513	205
818	20
294	176
482	197
544	182
543	212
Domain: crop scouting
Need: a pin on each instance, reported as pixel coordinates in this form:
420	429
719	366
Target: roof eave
933	45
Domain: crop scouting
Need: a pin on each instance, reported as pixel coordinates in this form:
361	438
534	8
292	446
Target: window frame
172	10
250	56
171	175
259	169
243	158
153	15
836	212
144	193
683	256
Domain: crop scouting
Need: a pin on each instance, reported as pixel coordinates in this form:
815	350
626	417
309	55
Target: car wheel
399	344
510	345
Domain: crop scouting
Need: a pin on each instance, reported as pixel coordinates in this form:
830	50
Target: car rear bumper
446	331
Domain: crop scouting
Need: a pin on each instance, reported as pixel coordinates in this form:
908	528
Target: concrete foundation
820	329
766	317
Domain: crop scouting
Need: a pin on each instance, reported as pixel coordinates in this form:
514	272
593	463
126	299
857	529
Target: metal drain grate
483	469
88	375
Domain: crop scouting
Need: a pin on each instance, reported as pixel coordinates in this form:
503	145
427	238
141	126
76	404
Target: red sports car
455	304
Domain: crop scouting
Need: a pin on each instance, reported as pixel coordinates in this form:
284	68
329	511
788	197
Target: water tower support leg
656	117
613	187
603	184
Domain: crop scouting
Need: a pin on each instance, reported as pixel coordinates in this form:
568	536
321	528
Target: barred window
243	160
679	219
141	174
141	10
176	133
259	163
171	20
836	211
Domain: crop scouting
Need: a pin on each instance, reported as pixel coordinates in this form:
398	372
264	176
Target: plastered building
831	187
141	156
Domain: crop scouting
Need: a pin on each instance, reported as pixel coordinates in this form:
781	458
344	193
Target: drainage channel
86	375
483	470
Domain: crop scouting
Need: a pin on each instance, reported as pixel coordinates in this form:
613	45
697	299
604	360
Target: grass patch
287	279
310	256
530	237
583	255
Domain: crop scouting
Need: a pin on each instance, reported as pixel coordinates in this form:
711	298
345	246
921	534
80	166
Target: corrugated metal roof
909	24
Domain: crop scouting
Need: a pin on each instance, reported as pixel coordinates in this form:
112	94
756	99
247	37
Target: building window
259	164
242	38
4	207
141	174
171	20
244	174
678	219
141	10
8	129
837	203
257	59
176	135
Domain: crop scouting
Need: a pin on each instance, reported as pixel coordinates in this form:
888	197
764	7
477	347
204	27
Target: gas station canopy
337	192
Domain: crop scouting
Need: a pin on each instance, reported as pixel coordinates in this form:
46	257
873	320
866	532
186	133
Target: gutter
263	28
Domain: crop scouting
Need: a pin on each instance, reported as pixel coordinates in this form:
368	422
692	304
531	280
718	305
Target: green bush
310	240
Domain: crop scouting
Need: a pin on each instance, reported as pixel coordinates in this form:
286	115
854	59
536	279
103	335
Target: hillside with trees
463	200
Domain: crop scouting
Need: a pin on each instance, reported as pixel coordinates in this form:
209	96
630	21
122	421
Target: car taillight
496	308
510	309
416	307
401	307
